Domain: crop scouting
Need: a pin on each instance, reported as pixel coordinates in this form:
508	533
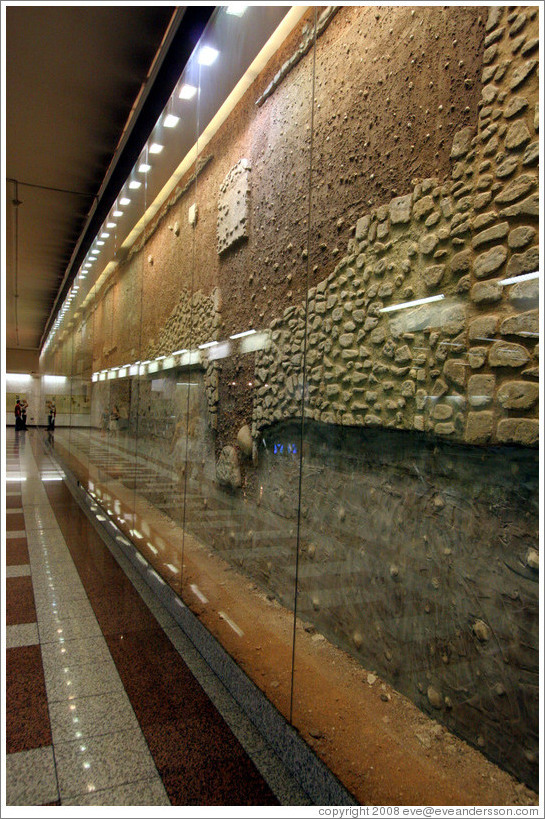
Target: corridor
107	701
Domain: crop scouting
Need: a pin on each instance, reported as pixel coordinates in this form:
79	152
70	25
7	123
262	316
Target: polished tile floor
107	701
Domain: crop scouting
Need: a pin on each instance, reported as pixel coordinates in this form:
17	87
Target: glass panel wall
307	371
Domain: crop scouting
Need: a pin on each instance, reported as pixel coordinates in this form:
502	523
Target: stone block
516	190
461	262
521	73
531	154
423	207
521	324
526	207
455	371
520	237
517	136
233	206
515	106
486	292
527	262
508	354
433	275
480	389
518	395
479	427
400	209
462	142
476	357
427	243
228	469
487	263
492	234
444	428
523	431
524	294
362	227
453	319
507	167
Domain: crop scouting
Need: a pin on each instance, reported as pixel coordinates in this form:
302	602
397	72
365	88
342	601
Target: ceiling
73	75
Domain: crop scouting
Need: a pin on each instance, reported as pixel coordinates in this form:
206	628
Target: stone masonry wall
464	367
195	320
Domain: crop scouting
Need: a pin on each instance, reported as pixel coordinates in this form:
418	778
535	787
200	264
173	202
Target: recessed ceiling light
236	10
144	167
104	235
117	213
100	243
207	55
187	92
171	121
111	224
135	184
124	201
154	148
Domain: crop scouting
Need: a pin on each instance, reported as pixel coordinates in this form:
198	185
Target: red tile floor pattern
27	717
198	758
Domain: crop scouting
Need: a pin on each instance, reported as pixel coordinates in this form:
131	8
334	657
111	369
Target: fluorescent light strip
525	278
208	344
404	305
245	333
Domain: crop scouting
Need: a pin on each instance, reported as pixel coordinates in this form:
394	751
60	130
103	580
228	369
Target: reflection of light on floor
172	568
153	549
229	622
198	593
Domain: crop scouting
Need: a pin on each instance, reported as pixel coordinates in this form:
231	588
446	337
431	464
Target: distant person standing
18	412
24	407
51	415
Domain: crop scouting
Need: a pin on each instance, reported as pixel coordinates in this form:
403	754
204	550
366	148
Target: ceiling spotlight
135	184
171	121
187	92
144	167
207	55
154	148
236	10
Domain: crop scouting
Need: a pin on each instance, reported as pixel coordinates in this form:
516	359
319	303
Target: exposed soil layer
378	743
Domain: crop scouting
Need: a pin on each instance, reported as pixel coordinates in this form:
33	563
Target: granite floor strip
106	719
172	708
31	778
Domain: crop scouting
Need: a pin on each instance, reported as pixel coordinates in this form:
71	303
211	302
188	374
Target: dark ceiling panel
72	76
